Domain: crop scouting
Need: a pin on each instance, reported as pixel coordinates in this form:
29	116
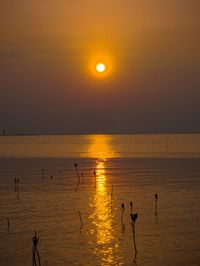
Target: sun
100	67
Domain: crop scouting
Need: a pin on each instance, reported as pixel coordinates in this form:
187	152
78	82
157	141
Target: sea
100	200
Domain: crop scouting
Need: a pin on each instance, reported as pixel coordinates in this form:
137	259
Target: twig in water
76	167
133	219
95	178
122	222
79	214
156	204
123	209
82	178
131	205
35	252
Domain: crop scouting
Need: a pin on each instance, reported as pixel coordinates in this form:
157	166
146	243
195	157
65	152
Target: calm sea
101	146
77	211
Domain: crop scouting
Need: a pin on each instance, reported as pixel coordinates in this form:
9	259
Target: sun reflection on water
102	215
106	244
101	147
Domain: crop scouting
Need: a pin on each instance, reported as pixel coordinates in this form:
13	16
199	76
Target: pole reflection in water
107	247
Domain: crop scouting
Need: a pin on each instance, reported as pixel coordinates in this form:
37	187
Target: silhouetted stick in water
156	204
76	167
134	260
123	209
122	221
131	205
134	217
133	220
35	240
95	178
51	177
79	213
82	178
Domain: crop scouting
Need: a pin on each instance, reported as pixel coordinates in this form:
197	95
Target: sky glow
48	56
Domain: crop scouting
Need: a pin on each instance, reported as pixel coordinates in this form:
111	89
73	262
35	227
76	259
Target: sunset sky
48	55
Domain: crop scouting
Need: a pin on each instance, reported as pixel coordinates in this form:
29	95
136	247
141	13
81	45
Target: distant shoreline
82	134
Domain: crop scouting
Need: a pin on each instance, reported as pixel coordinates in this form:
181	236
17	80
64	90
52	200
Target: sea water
77	215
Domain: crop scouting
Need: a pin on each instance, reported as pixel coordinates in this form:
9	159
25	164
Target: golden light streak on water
101	147
103	213
102	218
107	246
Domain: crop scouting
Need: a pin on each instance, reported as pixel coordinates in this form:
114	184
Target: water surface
101	146
136	166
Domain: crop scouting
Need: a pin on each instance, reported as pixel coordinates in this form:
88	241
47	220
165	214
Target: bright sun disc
100	67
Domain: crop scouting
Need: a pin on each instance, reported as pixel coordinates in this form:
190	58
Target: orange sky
46	49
